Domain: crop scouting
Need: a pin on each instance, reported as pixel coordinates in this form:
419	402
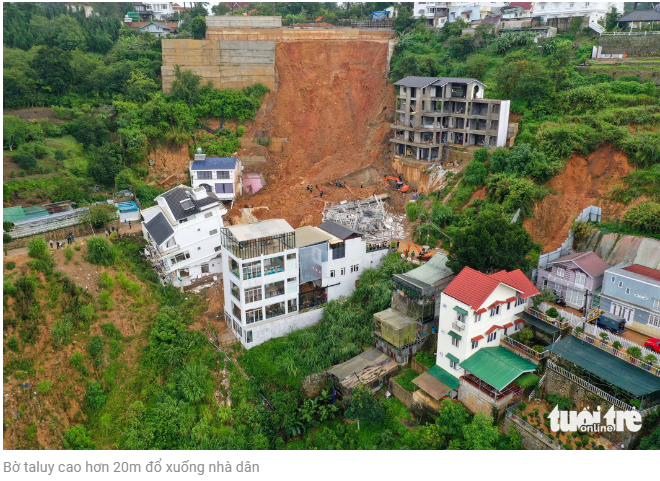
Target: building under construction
368	216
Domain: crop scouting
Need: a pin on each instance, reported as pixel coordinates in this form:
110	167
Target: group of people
310	188
112	229
375	247
70	239
339	183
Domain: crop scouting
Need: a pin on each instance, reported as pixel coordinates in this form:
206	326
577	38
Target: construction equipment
318	19
424	254
247	14
400	186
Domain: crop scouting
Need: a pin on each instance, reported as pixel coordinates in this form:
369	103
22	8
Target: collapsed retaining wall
633	45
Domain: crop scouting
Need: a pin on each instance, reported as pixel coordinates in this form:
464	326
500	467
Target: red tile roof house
575	277
477	312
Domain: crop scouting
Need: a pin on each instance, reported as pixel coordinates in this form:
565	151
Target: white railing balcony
458	325
520	347
565	282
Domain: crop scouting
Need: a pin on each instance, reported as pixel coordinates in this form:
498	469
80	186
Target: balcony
522	350
458	325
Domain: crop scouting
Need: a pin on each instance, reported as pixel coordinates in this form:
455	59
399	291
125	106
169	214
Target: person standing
361	184
51	243
130	224
321	193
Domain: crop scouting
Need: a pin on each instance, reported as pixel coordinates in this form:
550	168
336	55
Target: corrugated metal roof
606	366
444	377
339	230
309	235
431	385
12	214
265	228
215	163
433	271
588	261
497	366
394	319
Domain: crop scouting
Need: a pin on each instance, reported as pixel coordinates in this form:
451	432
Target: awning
444	377
511	299
542	325
481	311
455	336
493	329
497	366
432	386
462	311
508	325
453	358
478	338
518	321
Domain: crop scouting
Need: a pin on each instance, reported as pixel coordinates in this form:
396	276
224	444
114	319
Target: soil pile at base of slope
584	182
333	106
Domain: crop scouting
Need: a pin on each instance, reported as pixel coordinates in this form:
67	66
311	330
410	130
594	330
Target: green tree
198	28
362	405
25	161
520	78
105	163
480	434
220	9
610	19
140	88
652	441
412	211
475	174
452	417
53	66
194	382
14	131
490	242
78	437
186	85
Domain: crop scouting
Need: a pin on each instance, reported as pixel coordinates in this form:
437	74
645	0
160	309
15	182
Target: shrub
105	300
60	155
77	360
616	345
552	312
100	251
528	380
94	397
68	253
37	248
101	214
6	238
95	350
25	161
240	131
12	343
61	332
77	247
644	217
522	406
106	281
405	379
78	438
634	351
568	446
44	387
475	174
10	266
526	335
110	330
481	155
412	211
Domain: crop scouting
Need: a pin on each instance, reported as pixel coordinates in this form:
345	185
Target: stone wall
632	46
59	234
582	399
401	394
477	401
529	440
418	367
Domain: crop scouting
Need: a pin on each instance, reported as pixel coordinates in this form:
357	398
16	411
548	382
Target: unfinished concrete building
433	112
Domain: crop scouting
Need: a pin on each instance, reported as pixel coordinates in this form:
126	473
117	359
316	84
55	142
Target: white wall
503	125
234	178
279	326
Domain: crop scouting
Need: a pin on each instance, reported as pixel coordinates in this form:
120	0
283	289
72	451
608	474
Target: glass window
251	270
475	344
213	232
236	311
453	365
227	188
273	265
248	337
235	291
274	289
455	342
208	214
254	315
656	303
205	268
233	267
252	295
343	271
332	273
654	321
627	290
275	310
560	272
620	283
613	279
180	257
222	174
492	336
292	305
204	174
291	285
339	251
217	248
184	273
291	256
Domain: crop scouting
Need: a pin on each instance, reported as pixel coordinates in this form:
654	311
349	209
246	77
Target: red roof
478	338
519	321
523	5
644	271
493	329
473	287
481	311
588	261
511	299
508	325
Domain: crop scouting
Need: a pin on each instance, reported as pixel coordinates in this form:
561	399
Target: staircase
596	27
500	424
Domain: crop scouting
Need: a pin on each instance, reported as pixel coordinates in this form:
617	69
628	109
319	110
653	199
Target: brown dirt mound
584	182
333	105
35	113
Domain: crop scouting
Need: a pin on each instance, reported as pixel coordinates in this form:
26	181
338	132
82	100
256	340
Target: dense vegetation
560	112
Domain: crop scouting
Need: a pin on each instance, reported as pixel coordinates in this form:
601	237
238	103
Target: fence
533	393
526	349
531	429
590	387
49	223
625	343
620	354
551	320
628	34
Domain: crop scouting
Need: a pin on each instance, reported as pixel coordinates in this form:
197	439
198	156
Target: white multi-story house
220	175
183	232
594	10
434	12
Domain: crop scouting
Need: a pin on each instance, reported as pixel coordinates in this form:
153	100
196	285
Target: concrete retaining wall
281	326
298	34
401	394
633	46
477	401
223	21
528	439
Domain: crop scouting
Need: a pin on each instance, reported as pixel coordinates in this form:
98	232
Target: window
291	257
508	306
654	321
235	291
339	251
217	248
495	311
613	278
254	315
560	272
332	273
222	174
236	311
251	270
204	174
477	317
248	337
342	271
273	265
184	273
274	289
224	188
627	290
656	303
453	364
475	344
580	278
252	295
233	267
292	305
275	310
205	268
620	284
455	342
291	285
213	232
354	268
519	300
180	257
492	336
208	214
171	242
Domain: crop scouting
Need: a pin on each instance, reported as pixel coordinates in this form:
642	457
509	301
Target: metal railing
590	387
533	430
602	345
545	318
526	349
531	394
628	34
459	326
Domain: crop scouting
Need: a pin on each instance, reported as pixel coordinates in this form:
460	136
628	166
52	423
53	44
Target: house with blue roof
220	175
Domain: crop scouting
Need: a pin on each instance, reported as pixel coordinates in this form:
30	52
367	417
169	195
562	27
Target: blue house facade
632	291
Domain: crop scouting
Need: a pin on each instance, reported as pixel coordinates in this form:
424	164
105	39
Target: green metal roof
455	335
453	358
544	326
497	366
462	311
34	211
12	214
606	366
444	377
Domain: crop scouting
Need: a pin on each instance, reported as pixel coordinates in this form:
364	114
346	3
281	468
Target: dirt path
584	182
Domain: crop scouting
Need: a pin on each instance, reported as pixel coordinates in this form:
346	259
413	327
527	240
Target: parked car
653	343
611	323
